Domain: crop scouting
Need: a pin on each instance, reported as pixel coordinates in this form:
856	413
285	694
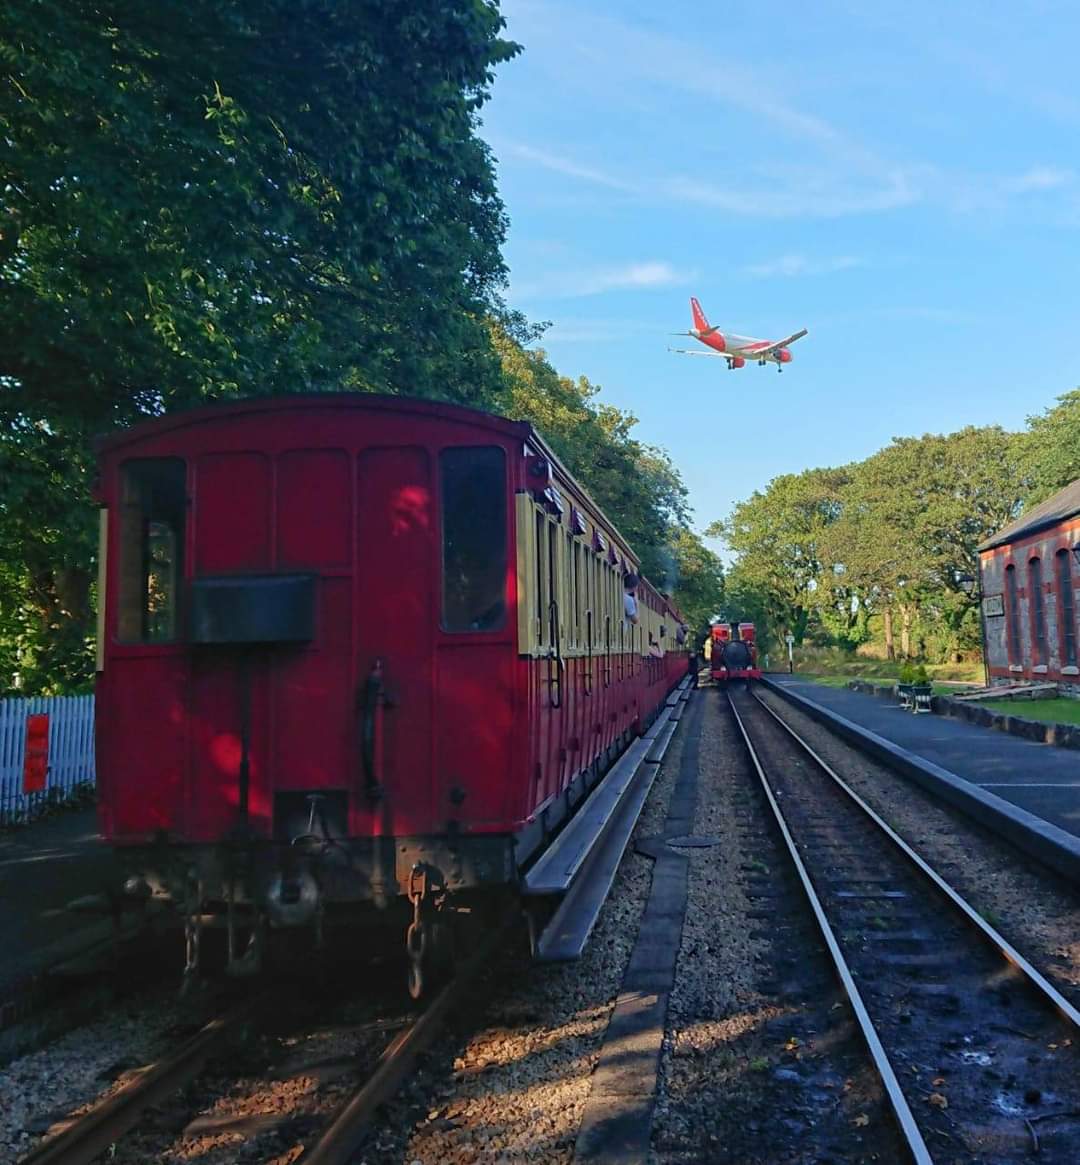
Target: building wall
1006	662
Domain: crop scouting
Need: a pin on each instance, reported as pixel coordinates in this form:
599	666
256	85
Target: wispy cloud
790	266
1038	178
789	192
806	194
561	164
833	173
625	55
967	193
596	280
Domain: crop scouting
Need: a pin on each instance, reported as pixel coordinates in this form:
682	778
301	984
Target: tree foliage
204	200
1051	447
776	537
828	548
695	577
207	198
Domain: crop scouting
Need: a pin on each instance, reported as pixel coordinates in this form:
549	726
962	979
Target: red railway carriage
734	657
355	650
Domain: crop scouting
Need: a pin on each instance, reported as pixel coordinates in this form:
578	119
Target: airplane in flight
736	350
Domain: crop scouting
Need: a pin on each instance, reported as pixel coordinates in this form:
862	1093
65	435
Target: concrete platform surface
1038	778
44	866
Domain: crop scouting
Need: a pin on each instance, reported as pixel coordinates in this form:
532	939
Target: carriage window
541	525
578	614
153	503
474	539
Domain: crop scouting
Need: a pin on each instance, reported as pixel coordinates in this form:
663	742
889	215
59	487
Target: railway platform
43	867
1038	780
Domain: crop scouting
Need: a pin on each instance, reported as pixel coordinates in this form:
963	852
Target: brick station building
1030	575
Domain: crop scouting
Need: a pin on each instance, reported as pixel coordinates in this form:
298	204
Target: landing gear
429	941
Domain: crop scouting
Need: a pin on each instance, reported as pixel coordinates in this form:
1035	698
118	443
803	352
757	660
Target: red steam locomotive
356	652
733	657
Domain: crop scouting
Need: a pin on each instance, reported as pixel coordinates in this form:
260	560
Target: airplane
736	350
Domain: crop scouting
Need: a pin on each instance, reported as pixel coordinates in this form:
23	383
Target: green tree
204	200
776	537
1050	449
911	517
209	198
695	578
887	536
744	601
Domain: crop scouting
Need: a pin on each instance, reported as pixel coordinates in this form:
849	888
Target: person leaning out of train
630	583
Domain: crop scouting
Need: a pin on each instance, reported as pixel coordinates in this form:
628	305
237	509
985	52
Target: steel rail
106	1122
338	1142
1035	977
898	1102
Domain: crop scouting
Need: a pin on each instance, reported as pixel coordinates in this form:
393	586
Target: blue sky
898	178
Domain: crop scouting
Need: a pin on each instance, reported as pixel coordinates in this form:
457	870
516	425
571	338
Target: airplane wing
688	352
768	351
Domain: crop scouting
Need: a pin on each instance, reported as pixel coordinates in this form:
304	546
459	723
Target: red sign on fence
36	762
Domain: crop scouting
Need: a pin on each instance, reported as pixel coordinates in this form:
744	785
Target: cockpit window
152	509
474	538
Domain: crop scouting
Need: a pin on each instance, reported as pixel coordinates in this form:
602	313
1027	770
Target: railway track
339	1140
977	1051
82	1138
94	1131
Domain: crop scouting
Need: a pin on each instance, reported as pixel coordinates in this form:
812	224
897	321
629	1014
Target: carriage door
396	615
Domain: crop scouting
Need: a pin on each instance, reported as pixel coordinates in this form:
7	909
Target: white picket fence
71	753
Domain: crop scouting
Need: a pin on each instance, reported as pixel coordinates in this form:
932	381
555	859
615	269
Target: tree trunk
890	645
905	631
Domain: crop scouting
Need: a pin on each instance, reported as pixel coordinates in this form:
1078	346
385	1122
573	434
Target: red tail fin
701	324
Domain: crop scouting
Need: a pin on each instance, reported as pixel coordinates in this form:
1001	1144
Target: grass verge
1060	710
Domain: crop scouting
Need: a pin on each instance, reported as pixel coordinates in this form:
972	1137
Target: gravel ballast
1033	907
762	1062
88	1063
517	1089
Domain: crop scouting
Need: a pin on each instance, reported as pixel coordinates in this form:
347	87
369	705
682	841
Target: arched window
1038	612
1015	655
1068	609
